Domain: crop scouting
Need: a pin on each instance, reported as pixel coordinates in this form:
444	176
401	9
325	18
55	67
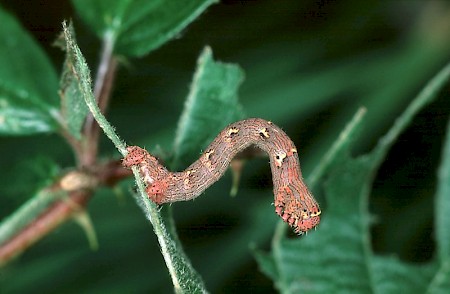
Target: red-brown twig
102	91
105	175
108	174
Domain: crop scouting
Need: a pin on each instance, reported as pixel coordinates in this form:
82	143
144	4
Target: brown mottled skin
293	201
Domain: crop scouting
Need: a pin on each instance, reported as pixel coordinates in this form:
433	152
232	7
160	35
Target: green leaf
394	276
28	83
342	241
73	106
211	105
267	264
139	26
441	280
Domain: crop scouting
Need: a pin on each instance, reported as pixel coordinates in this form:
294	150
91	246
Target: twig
74	144
102	92
44	224
27	212
63	210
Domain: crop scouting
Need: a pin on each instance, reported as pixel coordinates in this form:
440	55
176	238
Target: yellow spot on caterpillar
232	131
190	171
292	151
206	160
316	213
186	183
279	158
264	133
208	154
304	215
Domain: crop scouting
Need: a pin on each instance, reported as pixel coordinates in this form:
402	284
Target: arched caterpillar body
293	201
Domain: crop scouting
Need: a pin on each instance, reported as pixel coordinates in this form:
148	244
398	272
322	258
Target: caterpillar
293	201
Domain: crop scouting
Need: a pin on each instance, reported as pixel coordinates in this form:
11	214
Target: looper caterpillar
293	201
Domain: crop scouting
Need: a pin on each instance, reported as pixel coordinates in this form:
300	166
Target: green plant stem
82	73
105	125
32	221
178	266
26	213
102	121
151	211
425	96
344	139
168	246
106	73
45	223
45	212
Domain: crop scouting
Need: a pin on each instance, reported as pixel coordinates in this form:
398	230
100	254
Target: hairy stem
168	246
102	92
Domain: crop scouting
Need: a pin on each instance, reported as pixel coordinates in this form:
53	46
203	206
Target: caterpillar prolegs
293	201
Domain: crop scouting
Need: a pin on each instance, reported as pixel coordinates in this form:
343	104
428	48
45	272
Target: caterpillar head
308	221
301	213
134	157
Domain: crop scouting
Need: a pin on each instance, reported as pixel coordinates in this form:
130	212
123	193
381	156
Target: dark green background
309	65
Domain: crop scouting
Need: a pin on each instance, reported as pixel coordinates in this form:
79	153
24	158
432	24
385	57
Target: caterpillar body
293	201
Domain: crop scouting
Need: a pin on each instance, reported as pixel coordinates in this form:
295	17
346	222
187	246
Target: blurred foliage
139	26
27	104
342	246
309	65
